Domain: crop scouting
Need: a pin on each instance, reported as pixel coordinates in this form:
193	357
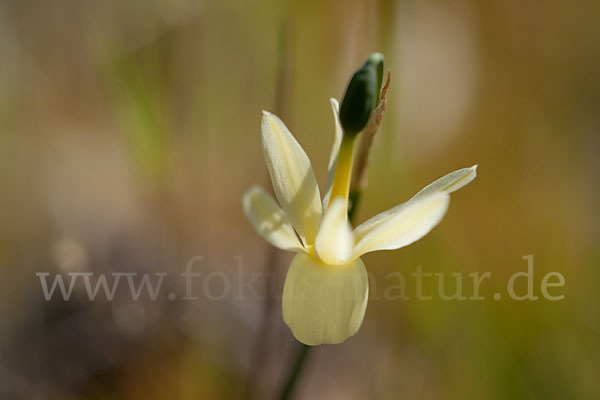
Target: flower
326	288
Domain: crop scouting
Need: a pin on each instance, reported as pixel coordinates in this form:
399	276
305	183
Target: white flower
326	288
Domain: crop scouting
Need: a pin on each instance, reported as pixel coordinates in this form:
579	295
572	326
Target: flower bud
362	95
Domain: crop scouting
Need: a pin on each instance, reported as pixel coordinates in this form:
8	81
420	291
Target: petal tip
442	197
252	190
446	197
335	239
247	198
334	103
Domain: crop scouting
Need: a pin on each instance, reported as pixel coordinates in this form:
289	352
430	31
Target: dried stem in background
359	175
260	352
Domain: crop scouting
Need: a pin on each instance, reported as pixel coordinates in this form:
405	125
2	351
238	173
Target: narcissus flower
326	288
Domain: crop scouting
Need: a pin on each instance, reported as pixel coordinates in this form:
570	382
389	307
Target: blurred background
129	131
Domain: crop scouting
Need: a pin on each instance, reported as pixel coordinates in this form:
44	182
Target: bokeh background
129	131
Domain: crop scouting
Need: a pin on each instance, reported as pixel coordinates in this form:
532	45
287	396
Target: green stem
299	362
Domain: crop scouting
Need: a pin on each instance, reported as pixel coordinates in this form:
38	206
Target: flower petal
334	241
293	179
401	225
335	149
324	304
269	220
449	183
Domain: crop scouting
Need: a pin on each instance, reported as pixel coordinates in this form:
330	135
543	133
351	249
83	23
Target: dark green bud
362	95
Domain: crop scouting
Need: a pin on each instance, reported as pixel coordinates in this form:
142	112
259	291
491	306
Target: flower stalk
326	288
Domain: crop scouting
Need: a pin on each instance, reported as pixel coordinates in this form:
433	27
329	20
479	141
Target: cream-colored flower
326	288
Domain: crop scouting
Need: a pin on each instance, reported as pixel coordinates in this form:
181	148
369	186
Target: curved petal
335	149
293	179
334	241
269	220
449	183
324	304
401	225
